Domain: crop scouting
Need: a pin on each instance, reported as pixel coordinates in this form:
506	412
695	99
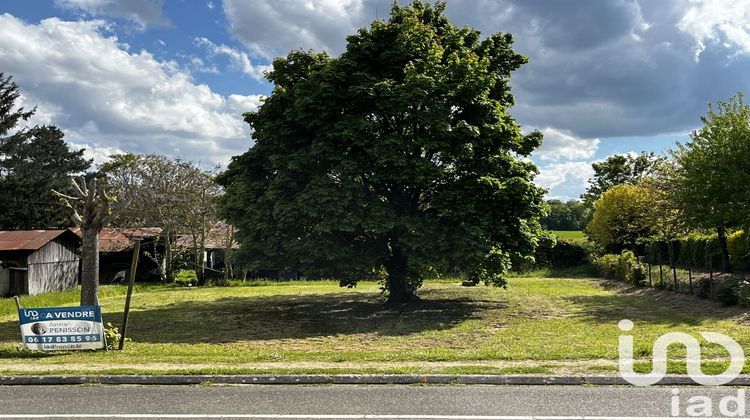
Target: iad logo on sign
693	349
74	328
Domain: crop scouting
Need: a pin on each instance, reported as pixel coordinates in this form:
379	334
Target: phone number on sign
65	339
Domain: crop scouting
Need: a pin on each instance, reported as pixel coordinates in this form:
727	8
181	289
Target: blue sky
174	76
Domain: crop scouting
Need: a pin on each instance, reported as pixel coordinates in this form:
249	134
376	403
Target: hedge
702	251
562	254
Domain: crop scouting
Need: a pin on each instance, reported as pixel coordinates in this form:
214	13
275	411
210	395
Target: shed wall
53	267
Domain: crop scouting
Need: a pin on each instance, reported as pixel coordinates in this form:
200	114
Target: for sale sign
73	328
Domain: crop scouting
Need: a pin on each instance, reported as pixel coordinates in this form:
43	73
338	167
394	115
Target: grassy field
537	325
570	235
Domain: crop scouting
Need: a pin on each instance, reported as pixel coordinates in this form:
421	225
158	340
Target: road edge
313	379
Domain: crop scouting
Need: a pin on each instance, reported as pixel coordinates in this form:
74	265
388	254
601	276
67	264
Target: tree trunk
726	266
168	271
90	267
396	267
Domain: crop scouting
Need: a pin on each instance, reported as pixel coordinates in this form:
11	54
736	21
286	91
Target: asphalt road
347	401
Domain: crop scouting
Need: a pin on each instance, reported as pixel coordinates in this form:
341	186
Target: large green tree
399	155
619	170
32	162
713	173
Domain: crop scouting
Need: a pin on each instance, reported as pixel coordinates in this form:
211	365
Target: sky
173	77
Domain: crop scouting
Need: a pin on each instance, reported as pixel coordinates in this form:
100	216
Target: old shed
37	261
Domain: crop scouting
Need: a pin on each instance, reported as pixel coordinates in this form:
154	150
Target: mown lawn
537	325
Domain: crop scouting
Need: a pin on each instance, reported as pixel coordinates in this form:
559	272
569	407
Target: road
345	401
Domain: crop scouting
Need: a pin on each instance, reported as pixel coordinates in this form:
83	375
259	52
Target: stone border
313	379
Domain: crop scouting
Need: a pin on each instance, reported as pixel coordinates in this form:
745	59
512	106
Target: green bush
624	267
727	292
186	276
743	292
739	249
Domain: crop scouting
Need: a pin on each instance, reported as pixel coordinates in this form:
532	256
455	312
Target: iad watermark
697	405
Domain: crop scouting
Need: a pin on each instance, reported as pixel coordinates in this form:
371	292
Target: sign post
64	328
131	283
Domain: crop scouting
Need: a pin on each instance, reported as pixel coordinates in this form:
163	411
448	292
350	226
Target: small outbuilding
116	253
38	261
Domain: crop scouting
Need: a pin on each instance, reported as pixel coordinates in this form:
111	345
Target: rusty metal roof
221	236
120	239
26	240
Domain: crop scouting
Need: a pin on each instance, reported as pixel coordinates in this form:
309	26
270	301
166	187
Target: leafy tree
619	170
667	215
569	215
31	163
399	155
174	195
32	160
713	173
622	218
10	117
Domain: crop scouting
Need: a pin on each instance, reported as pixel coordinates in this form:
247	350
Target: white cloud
100	154
238	59
141	12
563	145
718	21
274	27
106	98
565	179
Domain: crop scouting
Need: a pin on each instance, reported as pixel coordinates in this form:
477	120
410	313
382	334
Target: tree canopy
33	161
399	155
174	195
713	172
622	218
619	170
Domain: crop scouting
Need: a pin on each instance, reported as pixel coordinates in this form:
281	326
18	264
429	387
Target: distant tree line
565	215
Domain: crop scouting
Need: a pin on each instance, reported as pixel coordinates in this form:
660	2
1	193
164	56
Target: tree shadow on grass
233	319
612	309
653	306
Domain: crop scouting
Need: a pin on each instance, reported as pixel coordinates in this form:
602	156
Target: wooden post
690	279
650	284
131	282
18	302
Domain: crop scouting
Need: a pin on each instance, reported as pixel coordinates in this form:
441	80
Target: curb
438	379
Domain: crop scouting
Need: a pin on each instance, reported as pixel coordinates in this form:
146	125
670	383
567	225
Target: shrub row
624	267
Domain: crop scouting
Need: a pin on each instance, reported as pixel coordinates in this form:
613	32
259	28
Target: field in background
538	325
570	235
